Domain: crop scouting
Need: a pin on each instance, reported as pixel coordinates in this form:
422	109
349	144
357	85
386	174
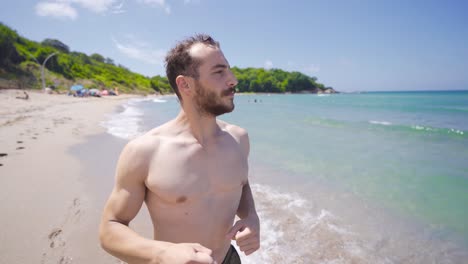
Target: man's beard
210	103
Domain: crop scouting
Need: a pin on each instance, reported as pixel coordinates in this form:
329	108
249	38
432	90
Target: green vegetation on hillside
275	81
20	60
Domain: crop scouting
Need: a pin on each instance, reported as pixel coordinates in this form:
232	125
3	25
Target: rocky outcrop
328	90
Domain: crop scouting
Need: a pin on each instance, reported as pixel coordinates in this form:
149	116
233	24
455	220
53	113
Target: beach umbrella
76	87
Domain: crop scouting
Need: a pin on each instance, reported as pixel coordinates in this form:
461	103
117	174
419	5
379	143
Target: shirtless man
192	172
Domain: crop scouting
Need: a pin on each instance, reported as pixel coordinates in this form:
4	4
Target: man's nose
232	81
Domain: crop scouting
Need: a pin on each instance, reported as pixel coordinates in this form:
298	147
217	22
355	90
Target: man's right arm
123	205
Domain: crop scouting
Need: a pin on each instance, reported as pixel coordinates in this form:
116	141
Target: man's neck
202	127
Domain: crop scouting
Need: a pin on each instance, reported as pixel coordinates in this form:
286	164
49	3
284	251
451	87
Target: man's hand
187	253
246	232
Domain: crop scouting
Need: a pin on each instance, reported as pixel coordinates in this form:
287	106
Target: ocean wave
297	230
422	128
385	123
126	123
157	100
443	130
294	230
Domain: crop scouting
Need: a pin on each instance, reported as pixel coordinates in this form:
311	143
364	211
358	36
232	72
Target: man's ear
183	85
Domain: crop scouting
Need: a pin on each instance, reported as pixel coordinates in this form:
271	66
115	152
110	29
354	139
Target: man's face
215	87
212	103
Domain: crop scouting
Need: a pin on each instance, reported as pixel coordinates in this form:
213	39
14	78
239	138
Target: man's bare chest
179	174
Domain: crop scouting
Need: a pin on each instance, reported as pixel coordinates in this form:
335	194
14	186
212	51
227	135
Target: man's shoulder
139	149
232	129
160	133
148	141
152	139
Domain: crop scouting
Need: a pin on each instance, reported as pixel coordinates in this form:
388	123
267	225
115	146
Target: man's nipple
181	199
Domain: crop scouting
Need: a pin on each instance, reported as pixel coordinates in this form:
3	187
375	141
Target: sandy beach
49	213
58	161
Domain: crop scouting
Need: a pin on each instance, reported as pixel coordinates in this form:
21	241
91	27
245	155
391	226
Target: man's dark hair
179	61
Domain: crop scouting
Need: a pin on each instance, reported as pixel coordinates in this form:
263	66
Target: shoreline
44	199
97	177
60	181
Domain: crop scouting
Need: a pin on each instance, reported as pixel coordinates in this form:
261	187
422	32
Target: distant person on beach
192	172
25	97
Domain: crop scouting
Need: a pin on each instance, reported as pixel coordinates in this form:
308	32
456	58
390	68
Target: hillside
20	60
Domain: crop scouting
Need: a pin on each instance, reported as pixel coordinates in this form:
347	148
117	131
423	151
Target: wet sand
49	214
57	172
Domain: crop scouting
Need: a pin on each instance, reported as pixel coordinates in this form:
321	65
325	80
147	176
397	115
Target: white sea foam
422	128
157	100
125	124
294	230
445	130
417	127
385	123
456	131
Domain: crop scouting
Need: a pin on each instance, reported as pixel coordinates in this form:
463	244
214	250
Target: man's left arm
246	231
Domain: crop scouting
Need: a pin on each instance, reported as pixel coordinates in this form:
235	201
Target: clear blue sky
349	45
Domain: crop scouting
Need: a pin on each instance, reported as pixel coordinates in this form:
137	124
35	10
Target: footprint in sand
56	239
65	260
2	155
75	210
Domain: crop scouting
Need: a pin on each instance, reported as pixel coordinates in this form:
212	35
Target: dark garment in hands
232	257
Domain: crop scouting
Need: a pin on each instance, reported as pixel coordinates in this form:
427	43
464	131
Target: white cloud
188	2
154	2
97	6
67	8
140	50
118	9
56	9
120	5
268	64
158	3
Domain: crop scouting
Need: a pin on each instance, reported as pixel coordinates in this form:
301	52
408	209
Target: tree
109	61
160	84
18	54
9	56
56	44
97	57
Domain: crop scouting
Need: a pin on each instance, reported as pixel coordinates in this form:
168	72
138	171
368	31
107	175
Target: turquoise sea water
371	178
